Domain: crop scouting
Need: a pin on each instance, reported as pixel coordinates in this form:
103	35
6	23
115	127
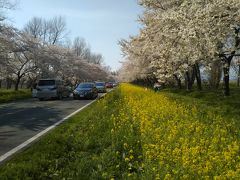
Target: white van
51	88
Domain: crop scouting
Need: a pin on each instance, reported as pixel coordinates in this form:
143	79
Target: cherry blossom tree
178	37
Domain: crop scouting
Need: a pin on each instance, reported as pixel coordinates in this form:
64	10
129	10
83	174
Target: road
21	120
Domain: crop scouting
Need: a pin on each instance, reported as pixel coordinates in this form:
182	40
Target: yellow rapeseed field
155	137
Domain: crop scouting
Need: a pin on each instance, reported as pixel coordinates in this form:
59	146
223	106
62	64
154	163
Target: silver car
51	88
101	87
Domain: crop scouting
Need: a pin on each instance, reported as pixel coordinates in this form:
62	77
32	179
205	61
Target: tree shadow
19	124
33	118
20	121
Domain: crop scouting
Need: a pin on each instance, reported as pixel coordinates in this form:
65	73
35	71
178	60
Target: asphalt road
21	120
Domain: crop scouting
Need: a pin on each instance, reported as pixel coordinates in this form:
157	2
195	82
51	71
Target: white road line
29	141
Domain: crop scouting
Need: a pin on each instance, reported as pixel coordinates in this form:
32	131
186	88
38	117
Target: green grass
229	106
11	95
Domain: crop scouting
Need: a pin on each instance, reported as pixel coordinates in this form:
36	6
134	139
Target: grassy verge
11	95
227	106
134	133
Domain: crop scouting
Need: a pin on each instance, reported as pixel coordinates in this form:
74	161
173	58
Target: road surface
21	120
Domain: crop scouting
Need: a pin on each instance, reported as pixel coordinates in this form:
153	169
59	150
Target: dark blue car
86	90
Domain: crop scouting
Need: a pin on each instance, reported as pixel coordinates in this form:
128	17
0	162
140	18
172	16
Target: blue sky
100	22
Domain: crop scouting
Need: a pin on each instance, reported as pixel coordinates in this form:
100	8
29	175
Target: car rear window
46	83
85	85
100	84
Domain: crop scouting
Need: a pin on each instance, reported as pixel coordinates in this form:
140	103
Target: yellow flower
127	159
168	176
129	174
174	136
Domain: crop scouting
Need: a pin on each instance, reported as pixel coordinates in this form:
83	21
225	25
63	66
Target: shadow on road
32	118
21	120
6	134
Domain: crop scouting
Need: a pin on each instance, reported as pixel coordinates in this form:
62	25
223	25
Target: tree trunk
193	76
17	83
215	74
188	81
198	76
179	84
22	83
226	68
238	79
8	83
0	84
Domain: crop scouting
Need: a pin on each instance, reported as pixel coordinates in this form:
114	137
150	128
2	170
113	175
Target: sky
102	23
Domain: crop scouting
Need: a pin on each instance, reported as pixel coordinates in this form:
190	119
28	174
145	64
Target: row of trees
54	31
184	40
40	51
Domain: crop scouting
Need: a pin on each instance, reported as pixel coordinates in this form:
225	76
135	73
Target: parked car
101	87
109	85
51	88
114	84
86	90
